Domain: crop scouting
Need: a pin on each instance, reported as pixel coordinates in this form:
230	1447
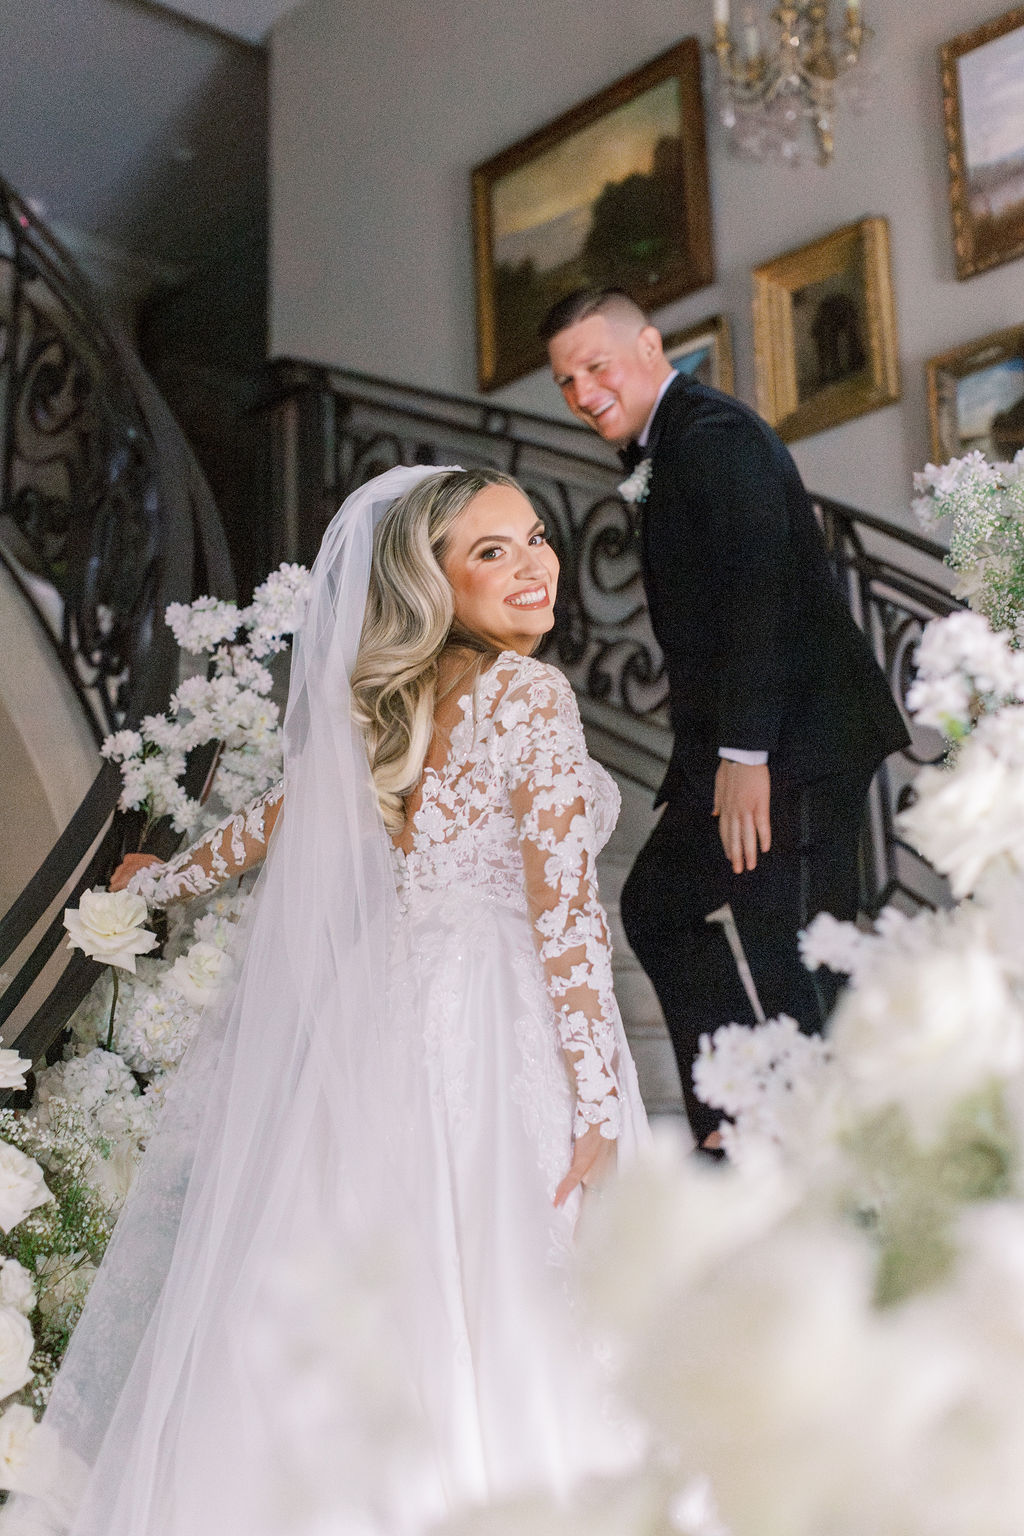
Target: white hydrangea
215	928
89	1081
202	625
837	946
168	735
278	608
121	745
242	665
154	1035
765	1078
944	479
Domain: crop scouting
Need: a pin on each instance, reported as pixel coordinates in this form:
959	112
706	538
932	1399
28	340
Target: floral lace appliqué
518	813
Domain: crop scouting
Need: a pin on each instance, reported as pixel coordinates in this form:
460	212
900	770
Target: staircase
104	520
331	430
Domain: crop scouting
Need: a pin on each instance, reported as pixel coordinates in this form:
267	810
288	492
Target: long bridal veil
290	1121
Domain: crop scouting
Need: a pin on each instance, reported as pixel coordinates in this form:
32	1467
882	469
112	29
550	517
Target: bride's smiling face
503	572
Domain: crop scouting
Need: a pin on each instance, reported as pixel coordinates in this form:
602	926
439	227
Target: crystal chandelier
769	95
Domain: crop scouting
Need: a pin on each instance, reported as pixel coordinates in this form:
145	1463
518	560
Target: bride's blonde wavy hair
409	620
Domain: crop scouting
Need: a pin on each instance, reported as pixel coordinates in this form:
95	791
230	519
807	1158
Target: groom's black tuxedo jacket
760	646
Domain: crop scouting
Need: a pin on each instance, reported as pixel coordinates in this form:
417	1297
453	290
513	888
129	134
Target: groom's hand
742	799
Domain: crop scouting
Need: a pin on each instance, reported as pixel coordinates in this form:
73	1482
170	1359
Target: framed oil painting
703	352
614	193
825	340
976	398
983	99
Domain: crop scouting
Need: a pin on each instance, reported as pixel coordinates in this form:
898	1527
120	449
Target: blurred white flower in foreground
927	1036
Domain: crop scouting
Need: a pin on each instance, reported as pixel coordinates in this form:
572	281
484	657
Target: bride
419	1072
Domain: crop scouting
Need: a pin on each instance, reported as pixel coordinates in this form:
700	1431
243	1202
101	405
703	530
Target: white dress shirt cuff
741	755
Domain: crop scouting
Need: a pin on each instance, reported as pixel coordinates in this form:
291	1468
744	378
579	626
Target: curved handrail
103	504
332	429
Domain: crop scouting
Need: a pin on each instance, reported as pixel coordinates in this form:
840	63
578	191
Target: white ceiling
248	19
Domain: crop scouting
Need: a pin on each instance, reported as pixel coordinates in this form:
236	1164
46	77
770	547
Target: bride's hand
593	1158
129	866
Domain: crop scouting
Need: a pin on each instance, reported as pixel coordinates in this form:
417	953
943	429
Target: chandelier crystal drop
769	96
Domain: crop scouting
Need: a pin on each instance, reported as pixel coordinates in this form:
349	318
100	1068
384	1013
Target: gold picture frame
976	397
704	352
613	193
825	340
984	119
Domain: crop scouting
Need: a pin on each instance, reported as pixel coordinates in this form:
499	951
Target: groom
779	711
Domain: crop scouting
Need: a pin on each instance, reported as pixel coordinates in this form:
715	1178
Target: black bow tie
631	456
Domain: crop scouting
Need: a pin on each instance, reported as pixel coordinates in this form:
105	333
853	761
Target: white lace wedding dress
503	1038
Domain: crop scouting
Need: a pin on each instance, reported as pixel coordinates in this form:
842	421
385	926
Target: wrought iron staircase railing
103	509
331	430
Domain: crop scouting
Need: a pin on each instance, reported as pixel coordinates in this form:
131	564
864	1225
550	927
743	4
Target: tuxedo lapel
632	454
668	412
666	405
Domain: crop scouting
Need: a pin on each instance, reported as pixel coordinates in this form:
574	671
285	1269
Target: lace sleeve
234	845
545	762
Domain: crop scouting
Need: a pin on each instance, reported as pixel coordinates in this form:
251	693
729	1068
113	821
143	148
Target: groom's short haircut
579	305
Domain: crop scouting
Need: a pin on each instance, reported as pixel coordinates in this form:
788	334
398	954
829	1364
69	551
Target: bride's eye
495	549
539	538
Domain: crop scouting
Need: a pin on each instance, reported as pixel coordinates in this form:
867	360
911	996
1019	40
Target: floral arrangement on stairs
68	1162
824	1335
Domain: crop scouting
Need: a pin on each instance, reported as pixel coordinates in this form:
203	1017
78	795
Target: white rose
16	1287
22	1186
107	925
12	1069
16	1346
202	974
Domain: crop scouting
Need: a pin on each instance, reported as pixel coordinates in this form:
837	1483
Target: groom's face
609	373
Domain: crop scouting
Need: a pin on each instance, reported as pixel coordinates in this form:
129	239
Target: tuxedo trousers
682	874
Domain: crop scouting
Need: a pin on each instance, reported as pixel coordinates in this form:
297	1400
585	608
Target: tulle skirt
371	1379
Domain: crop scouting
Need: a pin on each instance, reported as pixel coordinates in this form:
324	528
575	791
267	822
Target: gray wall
379	111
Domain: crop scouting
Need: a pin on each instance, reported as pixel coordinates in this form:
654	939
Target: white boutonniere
635	487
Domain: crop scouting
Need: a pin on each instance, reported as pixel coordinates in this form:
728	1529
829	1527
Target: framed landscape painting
983	97
976	398
703	352
825	344
613	193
